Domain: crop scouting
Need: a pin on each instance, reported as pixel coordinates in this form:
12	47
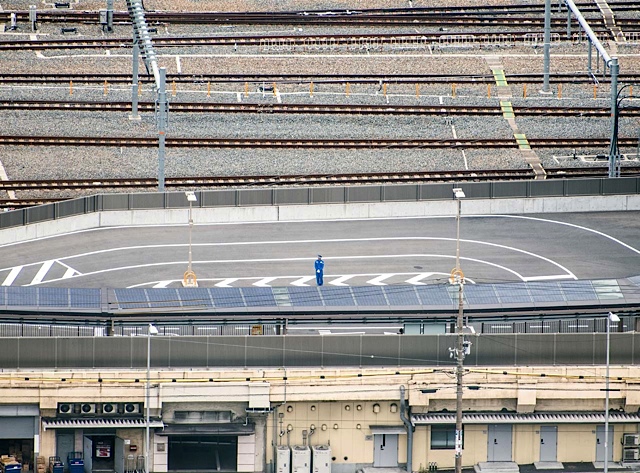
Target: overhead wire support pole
134	80
547	46
162	109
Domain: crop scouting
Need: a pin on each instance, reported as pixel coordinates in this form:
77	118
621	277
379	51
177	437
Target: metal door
549	443
499	443
65	443
600	443
385	450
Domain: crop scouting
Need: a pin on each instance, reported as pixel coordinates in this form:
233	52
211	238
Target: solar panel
578	290
163	297
226	297
545	291
84	298
305	296
195	297
434	295
369	295
22	296
480	294
259	296
131	298
54	297
3	299
513	293
401	295
336	296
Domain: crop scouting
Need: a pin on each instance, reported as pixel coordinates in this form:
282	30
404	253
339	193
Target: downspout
410	428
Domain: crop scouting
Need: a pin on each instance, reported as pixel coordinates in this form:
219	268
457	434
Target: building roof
535	418
104	423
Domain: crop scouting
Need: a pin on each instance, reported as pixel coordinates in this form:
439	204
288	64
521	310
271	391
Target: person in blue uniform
319	265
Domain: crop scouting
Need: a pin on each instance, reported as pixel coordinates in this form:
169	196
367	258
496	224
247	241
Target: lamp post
152	330
189	278
610	318
614	152
457	277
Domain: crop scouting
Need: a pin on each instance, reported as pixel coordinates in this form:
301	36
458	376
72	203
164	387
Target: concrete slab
496	467
371	469
548	466
610	466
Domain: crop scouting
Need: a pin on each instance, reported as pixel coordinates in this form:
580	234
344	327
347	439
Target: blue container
75	462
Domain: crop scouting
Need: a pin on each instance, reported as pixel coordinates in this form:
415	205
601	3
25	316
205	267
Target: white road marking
42	272
178	65
416	279
264	282
13	274
163	284
69	273
302	281
226	282
377	281
340	281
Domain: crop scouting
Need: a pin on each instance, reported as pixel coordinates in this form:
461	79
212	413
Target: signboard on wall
103	450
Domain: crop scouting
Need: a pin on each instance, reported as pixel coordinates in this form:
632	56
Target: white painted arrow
264	282
302	281
226	282
377	281
416	279
340	281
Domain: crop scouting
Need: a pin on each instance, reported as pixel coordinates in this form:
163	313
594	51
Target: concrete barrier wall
303	212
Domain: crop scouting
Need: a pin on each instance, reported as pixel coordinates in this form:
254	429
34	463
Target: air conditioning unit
87	408
131	408
630	454
65	408
109	408
631	440
300	459
321	459
283	459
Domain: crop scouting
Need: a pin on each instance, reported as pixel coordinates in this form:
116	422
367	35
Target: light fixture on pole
610	318
189	278
152	330
457	277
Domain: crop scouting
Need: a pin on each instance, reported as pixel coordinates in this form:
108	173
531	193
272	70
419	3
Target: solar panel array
440	295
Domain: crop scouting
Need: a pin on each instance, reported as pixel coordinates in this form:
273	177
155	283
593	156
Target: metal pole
614	158
547	45
146	439
460	353
606	405
589	57
134	80
569	23
190	229
161	118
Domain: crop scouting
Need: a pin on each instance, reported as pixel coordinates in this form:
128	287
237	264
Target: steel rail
275	108
409	143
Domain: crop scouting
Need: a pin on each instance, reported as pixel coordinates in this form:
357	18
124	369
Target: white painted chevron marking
340	281
13	274
226	282
264	282
302	281
69	273
42	272
416	279
377	281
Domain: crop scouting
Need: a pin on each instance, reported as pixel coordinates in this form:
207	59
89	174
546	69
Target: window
443	437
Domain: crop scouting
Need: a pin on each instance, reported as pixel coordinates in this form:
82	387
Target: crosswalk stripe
226	282
42	272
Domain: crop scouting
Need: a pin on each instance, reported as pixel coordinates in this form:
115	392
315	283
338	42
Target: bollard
630	91
106	87
384	89
208	89
524	91
275	90
418	90
173	88
70	87
311	89
140	89
489	90
453	90
246	89
559	91
347	89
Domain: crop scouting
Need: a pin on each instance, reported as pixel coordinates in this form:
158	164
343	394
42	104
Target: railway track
99	185
285	43
271	143
318	79
274	108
